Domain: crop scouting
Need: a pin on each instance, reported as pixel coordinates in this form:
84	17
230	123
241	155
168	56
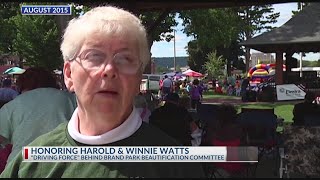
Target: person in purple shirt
196	94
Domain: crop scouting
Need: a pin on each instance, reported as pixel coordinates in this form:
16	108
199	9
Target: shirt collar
126	129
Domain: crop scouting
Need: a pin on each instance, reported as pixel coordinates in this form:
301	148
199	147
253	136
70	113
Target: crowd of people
193	89
246	88
234	85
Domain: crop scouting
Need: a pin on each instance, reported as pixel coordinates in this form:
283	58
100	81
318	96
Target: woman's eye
123	59
95	56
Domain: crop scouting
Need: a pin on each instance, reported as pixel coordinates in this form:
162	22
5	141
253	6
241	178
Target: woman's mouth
108	93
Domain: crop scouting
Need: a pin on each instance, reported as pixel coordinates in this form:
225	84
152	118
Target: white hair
109	21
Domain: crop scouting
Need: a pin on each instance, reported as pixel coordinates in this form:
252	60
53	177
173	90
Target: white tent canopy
306	69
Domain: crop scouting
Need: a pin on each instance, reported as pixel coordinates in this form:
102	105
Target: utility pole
174	50
302	54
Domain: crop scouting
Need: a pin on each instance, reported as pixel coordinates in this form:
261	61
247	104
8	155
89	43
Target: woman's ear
67	76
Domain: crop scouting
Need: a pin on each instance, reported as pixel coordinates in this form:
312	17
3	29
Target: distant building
7	61
181	69
262	58
184	68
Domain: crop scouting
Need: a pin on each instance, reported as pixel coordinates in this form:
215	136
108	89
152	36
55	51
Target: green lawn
282	109
211	95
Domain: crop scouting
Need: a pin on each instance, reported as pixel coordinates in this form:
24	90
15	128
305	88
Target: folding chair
231	136
312	120
260	127
300	155
270	110
207	114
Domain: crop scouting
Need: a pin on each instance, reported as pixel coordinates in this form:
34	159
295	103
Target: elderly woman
105	52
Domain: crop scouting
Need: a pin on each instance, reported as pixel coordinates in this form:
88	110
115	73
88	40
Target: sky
166	49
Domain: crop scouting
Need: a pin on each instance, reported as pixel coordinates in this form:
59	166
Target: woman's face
105	77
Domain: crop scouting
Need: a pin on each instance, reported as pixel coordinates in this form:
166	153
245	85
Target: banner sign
46	10
289	92
139	154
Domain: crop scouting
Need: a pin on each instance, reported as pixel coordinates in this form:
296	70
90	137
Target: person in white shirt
167	86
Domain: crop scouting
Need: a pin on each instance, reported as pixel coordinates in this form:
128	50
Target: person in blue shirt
7	93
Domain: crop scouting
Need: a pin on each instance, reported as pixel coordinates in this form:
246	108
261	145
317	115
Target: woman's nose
109	70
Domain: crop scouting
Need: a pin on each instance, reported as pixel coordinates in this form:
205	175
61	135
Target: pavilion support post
279	68
288	66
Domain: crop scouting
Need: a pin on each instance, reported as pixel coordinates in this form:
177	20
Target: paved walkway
237	101
223	100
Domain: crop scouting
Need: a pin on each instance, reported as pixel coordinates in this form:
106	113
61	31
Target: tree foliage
37	41
7	29
33	38
306	63
197	55
222	29
215	64
212	29
255	19
161	69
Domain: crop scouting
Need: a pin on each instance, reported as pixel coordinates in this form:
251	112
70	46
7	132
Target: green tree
32	38
254	20
7	28
215	64
212	29
232	54
161	69
178	67
37	41
197	55
308	63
